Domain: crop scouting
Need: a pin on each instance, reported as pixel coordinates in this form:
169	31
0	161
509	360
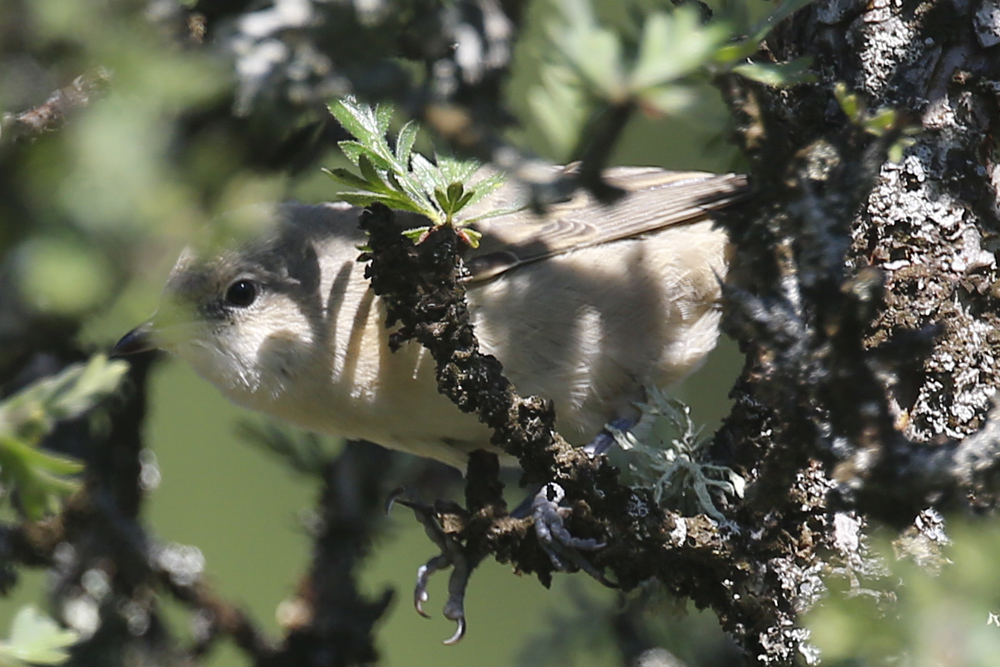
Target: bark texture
864	295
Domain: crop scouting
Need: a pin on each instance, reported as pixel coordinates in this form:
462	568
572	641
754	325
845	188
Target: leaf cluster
403	179
877	123
36	639
658	61
40	478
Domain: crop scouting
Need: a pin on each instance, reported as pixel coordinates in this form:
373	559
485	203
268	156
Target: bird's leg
603	441
452	555
543	506
562	548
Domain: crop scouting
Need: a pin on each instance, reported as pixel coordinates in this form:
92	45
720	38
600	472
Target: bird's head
245	318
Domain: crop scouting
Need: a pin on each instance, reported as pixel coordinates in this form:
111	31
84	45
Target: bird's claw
393	496
424	572
454	609
459	631
562	547
451	556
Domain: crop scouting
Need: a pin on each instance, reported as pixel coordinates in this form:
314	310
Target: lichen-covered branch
863	298
690	556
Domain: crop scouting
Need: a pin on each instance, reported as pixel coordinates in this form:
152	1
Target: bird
585	304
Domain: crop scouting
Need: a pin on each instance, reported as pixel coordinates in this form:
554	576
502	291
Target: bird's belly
396	406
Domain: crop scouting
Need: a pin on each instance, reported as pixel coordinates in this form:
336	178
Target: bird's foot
451	555
562	547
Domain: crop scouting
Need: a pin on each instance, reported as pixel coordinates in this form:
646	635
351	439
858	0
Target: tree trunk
864	293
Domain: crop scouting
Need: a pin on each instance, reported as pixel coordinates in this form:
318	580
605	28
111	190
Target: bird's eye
241	293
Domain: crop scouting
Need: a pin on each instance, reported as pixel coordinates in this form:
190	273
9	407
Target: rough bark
862	293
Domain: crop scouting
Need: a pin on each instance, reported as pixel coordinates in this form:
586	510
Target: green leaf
780	75
674	45
36	475
394	182
465	199
483	189
426	173
382	161
412	188
347	178
394	201
40	459
470	236
36	639
353	150
597	56
454	195
593	52
849	102
881	122
416	233
730	53
39	477
358	121
455	171
370	174
33	411
441	198
369	127
383	117
404	142
399	178
559	106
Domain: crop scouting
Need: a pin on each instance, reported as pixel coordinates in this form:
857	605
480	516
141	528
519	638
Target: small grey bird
587	305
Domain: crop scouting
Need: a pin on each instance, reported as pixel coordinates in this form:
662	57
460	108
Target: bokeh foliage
933	603
200	107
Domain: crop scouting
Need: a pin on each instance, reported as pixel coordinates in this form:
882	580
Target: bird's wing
655	199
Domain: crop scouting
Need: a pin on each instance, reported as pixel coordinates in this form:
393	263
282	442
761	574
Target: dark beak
135	341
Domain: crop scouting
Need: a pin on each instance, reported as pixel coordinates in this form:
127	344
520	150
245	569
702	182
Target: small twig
224	618
55	111
334	623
